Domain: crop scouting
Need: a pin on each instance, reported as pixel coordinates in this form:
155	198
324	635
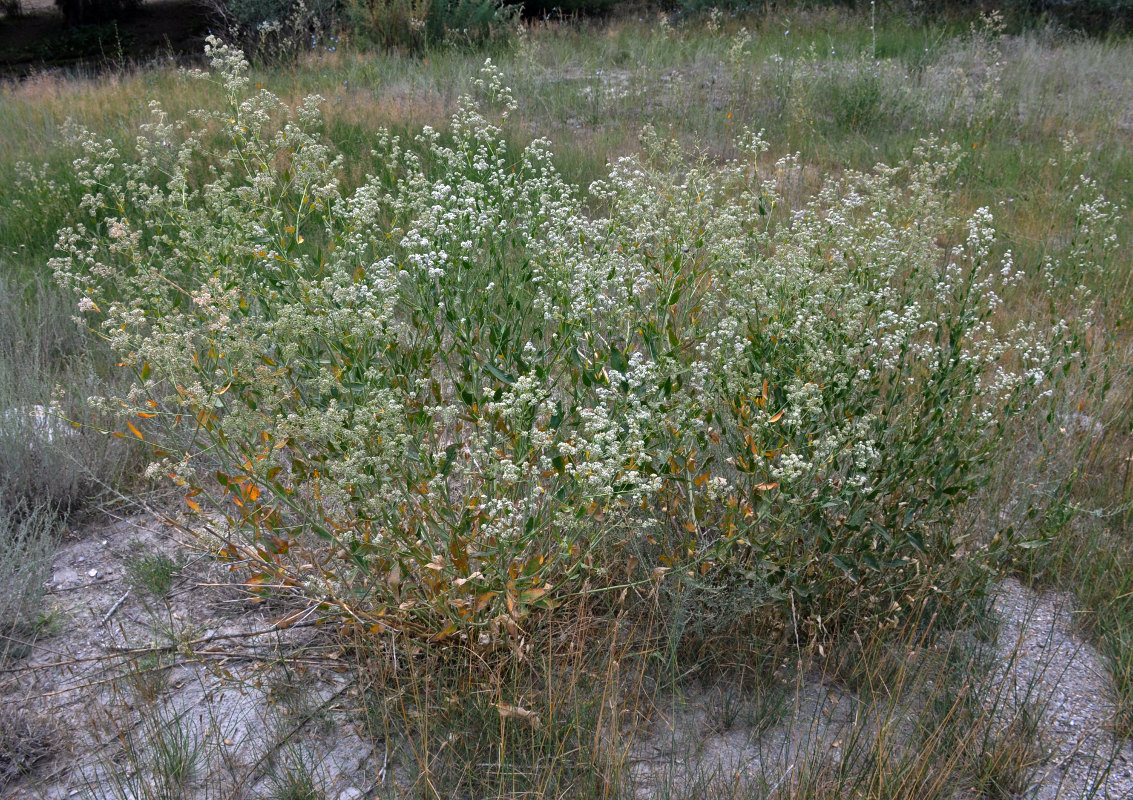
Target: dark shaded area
570	9
90	35
41	38
1089	16
93	12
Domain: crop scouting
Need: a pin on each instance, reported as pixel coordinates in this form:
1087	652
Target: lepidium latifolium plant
449	401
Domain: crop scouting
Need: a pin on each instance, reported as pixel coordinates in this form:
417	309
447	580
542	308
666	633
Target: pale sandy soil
252	682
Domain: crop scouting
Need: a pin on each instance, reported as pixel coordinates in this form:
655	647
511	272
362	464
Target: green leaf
845	566
498	374
450	456
618	360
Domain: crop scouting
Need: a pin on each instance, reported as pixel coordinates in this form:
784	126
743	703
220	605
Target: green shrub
278	30
694	7
415	24
52	450
26	551
150	572
1091	16
105	42
450	401
852	96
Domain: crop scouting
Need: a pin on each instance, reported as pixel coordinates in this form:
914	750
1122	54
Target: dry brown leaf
519	712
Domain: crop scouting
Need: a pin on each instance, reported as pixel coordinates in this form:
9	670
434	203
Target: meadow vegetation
643	359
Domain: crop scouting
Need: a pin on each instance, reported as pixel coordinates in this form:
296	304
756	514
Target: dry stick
35	643
114	608
113	678
60	590
213	638
92	684
225	657
782	778
122	652
382	771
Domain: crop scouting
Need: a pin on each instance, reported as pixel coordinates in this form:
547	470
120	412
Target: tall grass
52	450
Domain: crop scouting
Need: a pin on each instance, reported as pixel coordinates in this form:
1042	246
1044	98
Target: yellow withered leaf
449	630
531	595
518	712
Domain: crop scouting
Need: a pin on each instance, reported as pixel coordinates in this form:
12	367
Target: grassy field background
1044	124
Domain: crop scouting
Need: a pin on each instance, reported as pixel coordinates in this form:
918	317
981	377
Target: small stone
93	573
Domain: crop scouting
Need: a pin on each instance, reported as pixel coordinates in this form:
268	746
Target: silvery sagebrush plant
445	401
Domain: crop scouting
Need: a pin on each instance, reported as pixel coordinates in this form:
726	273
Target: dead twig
126	652
114	608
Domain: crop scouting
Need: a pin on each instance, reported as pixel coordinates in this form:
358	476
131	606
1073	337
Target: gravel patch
1043	660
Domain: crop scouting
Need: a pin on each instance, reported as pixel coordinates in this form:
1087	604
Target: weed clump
26	550
152	573
46	457
24	742
452	402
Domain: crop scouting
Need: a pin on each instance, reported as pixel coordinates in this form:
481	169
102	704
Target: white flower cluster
455	364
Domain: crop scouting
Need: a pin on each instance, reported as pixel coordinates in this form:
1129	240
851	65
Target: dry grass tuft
25	741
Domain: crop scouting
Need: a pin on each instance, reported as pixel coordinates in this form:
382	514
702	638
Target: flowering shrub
451	397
